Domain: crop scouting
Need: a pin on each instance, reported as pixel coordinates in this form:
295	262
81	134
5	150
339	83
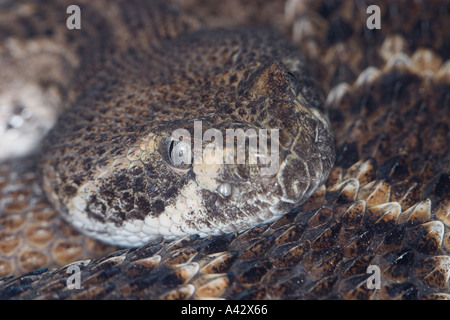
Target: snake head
207	147
255	164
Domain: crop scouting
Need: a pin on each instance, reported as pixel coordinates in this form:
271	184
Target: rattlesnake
384	204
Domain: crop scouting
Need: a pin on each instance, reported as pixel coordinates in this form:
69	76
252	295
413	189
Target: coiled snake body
139	71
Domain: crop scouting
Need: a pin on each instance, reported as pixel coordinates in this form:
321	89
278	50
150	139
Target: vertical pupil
172	144
178	153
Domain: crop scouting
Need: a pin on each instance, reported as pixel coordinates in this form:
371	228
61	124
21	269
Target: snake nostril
224	189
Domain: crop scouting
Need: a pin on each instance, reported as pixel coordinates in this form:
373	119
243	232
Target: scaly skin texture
385	204
106	165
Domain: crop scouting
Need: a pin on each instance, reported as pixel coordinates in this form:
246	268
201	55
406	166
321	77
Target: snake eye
178	154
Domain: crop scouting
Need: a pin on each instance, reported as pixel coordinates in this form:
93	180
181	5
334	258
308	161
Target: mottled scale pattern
104	164
32	233
385	203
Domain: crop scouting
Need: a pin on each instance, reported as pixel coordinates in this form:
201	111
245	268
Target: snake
114	127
